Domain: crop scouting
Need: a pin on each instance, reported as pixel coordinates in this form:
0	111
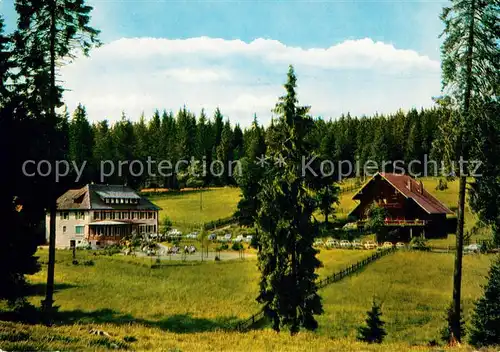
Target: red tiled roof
413	189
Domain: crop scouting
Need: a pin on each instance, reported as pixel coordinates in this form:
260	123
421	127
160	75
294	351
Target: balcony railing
401	222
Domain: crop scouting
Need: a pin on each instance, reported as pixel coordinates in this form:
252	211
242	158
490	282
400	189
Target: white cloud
142	74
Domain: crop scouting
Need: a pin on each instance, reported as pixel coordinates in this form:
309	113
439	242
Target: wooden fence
247	323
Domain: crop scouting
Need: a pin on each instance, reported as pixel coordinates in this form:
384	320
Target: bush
419	244
442	185
88	263
237	246
166	224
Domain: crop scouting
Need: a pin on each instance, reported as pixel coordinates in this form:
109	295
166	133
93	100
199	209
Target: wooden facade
409	207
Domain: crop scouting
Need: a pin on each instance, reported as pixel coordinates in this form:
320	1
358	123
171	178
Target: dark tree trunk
48	303
457	274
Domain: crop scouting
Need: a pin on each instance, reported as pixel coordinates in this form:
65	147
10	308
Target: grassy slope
184	208
415	289
158	307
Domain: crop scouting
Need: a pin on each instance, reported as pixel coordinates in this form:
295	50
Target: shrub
129	339
88	263
237	246
442	185
419	244
166	224
374	331
485	329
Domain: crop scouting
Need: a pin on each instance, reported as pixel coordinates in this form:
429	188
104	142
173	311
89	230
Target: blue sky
357	56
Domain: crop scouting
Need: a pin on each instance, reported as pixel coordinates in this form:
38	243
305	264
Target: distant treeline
402	136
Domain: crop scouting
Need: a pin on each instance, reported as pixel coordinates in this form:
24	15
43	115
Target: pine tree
80	142
470	66
124	142
250	179
142	139
48	32
225	152
374	331
485	329
287	259
102	149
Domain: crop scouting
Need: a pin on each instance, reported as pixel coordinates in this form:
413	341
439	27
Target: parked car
472	248
248	238
212	237
387	244
400	245
318	242
357	244
192	235
238	238
370	245
227	237
345	244
331	243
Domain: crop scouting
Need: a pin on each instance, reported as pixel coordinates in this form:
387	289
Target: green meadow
193	307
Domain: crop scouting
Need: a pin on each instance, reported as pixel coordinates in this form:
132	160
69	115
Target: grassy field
189	307
183	208
415	289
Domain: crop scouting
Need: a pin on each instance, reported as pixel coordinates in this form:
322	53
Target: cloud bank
138	75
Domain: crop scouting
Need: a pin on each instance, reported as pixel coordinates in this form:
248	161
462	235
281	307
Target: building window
154	228
108	215
64	215
97	215
124	215
113	216
80	215
150	214
79	229
141	215
64	228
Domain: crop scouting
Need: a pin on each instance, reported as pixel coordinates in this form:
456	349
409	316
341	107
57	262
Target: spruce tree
470	66
80	142
287	259
251	176
374	331
48	32
485	330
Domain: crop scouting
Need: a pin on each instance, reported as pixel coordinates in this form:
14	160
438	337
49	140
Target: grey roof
114	191
91	197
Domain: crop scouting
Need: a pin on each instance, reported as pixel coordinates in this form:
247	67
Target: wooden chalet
408	205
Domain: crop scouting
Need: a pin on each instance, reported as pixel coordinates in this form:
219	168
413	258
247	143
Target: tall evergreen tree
124	142
287	259
49	31
470	66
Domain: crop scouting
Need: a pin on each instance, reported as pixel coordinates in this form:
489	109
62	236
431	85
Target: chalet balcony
400	222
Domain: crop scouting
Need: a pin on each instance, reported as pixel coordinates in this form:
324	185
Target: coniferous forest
403	135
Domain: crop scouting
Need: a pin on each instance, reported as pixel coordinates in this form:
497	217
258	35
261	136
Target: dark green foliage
327	197
442	185
166	224
237	246
485	327
250	178
287	259
446	332
419	244
376	222
470	66
373	331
